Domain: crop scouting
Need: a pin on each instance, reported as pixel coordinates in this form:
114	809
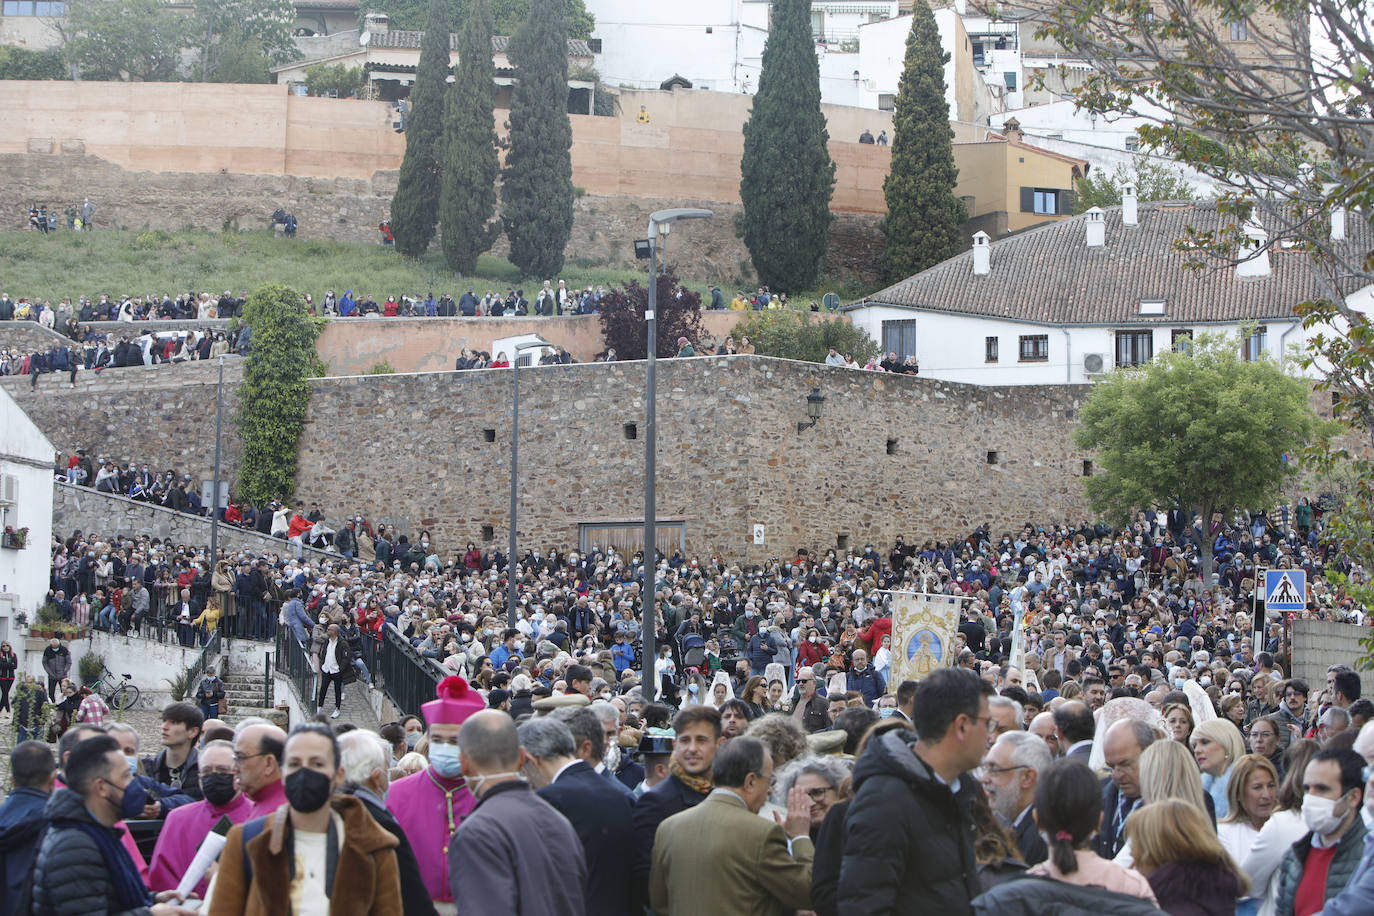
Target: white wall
1081	125
645	43
150	664
951	347
27	456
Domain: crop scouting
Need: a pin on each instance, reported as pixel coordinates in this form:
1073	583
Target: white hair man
1011	772
364	756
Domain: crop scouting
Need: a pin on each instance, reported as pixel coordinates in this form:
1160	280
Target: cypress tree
923	215
415	207
470	163
787	173
537	193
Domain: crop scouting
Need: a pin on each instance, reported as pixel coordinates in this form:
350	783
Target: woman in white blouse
1253	794
1284	828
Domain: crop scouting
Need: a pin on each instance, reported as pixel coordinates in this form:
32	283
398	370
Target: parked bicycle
118	695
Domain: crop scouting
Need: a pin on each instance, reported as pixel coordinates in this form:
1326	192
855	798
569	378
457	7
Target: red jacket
299	525
811	654
876	631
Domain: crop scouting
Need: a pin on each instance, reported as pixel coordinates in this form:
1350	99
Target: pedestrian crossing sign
1285	589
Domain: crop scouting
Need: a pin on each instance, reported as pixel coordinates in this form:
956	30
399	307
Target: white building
1065	302
26	487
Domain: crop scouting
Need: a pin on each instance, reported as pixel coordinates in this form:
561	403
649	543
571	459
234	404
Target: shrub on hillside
791	335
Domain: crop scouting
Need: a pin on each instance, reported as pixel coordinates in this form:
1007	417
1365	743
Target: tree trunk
1205	512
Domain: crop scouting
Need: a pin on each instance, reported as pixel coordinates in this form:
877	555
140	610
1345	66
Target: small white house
26	490
1065	302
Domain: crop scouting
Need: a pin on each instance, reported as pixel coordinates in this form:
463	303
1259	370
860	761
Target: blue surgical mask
693	688
1179	682
446	760
887	712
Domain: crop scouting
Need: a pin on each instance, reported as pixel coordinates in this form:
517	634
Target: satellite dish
364	38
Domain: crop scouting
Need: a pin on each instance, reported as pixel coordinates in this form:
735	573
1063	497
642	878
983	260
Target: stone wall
891	455
352	346
163	415
28	336
106	514
1319	644
349	209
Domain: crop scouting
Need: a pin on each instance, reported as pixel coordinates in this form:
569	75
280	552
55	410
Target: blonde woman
1177	852
1253	793
1217	745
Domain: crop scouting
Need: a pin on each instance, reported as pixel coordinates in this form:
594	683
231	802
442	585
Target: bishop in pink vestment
429	808
182	833
429	805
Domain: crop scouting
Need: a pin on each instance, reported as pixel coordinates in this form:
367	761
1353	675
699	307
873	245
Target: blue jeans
105	620
361	668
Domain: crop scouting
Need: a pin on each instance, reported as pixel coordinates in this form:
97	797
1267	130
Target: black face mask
308	790
218	788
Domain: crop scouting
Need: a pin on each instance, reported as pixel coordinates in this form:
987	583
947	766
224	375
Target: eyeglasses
991	723
1124	767
806	680
819	792
990	770
240	758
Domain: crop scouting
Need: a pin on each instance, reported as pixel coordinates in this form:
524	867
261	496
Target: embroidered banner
923	628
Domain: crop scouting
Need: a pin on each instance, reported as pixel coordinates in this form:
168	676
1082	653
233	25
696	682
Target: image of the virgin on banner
923	629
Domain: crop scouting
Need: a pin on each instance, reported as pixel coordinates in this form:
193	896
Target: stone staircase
243	697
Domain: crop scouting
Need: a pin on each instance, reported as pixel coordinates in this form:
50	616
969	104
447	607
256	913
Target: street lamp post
214	487
511	615
659	223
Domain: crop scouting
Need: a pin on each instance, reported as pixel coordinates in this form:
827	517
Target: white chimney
1255	252
1096	228
1338	224
982	254
377	23
1130	211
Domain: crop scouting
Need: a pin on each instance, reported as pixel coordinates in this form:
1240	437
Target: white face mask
475	782
1319	814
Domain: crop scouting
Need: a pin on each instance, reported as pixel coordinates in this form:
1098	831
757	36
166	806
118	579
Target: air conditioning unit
1093	362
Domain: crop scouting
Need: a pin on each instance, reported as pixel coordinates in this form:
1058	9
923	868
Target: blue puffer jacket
70	878
21	822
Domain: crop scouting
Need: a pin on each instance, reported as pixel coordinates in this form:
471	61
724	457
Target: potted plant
91	666
15	538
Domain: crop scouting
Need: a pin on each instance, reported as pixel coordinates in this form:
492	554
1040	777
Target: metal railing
407	677
293	663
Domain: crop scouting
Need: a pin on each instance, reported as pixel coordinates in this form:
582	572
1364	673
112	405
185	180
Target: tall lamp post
660	222
214	487
515	471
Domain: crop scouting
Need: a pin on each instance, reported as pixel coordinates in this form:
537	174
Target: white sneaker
334	714
320	711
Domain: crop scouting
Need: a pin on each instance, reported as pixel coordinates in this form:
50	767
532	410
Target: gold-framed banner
923	630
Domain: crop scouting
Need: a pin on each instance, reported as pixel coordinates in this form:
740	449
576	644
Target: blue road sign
1285	589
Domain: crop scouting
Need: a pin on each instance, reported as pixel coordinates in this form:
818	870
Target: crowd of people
1143	705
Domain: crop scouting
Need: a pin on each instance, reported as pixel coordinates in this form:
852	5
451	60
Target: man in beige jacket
721	857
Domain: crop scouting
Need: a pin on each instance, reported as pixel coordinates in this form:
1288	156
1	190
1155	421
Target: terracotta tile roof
411	38
325	4
1049	275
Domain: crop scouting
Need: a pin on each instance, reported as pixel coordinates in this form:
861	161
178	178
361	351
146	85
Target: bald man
1043	726
257	758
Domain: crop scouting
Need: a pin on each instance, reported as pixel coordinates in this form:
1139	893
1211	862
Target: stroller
693	651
